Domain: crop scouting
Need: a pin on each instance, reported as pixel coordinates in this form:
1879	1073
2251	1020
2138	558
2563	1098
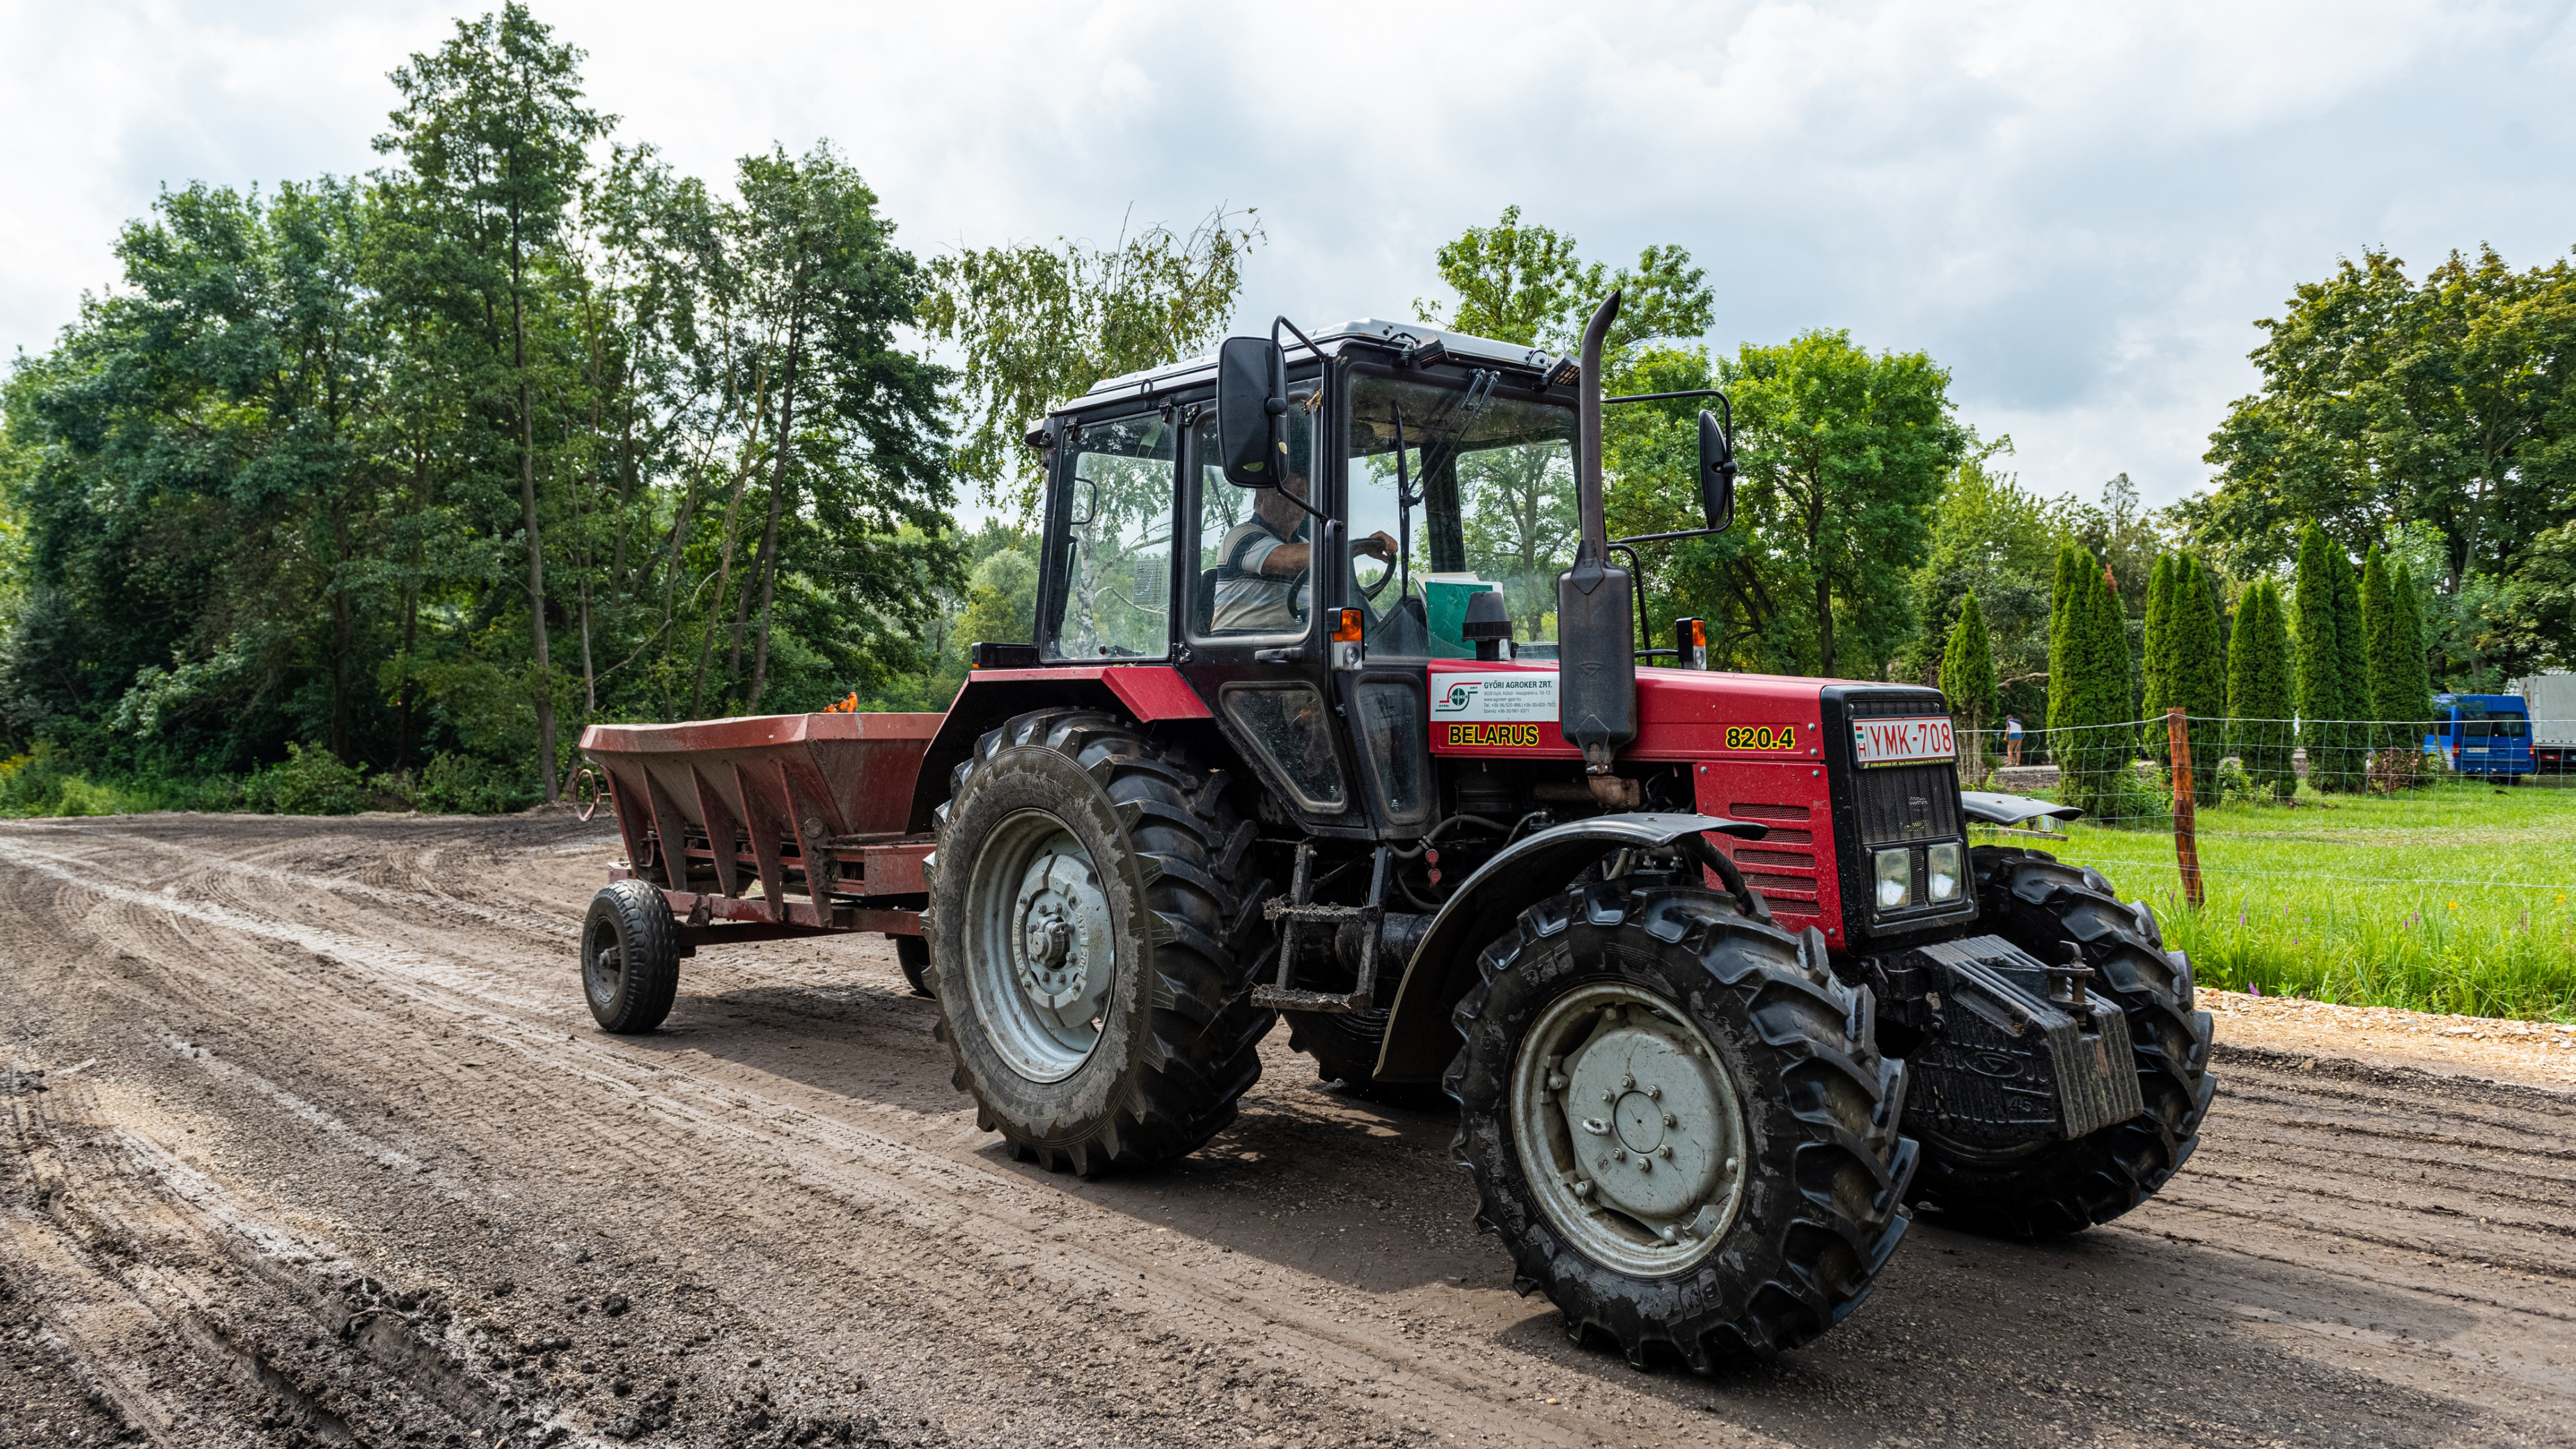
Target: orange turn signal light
1348	629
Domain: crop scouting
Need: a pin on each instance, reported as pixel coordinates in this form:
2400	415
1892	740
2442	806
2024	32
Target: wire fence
2388	862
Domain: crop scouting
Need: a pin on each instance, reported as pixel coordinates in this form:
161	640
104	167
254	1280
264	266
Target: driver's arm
1289	559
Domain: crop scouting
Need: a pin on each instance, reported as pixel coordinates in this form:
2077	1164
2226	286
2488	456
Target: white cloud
2079	209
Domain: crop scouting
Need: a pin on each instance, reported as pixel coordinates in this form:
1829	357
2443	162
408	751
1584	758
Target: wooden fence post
2186	843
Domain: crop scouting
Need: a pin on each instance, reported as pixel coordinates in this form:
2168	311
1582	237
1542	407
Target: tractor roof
1366	330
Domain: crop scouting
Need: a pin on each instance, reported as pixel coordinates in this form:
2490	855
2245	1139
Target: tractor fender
1997	809
1145	693
1420	1038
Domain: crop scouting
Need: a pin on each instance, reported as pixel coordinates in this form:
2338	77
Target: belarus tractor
1339	711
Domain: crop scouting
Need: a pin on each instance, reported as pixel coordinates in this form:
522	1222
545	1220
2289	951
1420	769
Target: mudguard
1420	1039
1145	693
1997	809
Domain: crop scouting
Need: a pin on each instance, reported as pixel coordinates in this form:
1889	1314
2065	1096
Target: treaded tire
2038	903
1178	1034
912	953
630	957
1345	1047
1820	1209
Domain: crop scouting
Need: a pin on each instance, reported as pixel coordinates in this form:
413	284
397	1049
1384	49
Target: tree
2195	668
2259	687
2326	692
1968	678
2156	664
1844	454
2088	680
1040	324
495	137
1995	539
1524	284
2411	695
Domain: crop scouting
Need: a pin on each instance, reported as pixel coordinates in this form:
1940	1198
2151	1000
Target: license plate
1903	741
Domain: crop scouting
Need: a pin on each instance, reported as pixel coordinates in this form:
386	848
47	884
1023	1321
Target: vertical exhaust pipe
1596	700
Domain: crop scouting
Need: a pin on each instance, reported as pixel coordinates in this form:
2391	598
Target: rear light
1349	628
1941	872
1690	643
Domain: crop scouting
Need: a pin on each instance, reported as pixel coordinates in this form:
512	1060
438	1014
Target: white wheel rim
1629	1129
1041	957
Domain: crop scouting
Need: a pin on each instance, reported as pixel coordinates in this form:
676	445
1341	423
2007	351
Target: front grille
1899	804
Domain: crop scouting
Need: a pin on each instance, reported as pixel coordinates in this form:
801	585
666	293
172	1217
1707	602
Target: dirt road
325	1150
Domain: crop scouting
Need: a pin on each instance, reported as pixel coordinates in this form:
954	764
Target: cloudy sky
2078	209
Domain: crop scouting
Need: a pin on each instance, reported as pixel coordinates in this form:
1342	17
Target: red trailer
810	810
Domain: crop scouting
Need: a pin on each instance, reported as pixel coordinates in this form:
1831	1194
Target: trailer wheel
630	957
912	953
1679	1124
2040	904
1089	930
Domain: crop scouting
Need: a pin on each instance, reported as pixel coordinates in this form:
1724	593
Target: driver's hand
1378	545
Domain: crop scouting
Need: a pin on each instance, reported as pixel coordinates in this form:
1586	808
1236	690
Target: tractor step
1297	909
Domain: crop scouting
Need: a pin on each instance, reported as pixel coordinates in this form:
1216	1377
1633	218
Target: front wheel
1679	1123
2043	905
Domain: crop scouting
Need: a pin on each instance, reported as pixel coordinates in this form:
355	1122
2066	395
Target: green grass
2458	899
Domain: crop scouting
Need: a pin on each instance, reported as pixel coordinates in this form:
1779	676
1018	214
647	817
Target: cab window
1114	492
1254	574
1480	495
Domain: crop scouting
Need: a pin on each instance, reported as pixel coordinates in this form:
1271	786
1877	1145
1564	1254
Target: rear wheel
2042	905
1088	923
630	957
1679	1123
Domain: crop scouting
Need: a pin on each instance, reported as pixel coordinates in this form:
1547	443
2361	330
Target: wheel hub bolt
1656	1094
1665	1152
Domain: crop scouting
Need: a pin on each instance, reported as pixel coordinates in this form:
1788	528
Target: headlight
1895	878
1941	872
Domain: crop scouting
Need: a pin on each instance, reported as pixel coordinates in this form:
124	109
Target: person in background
2012	740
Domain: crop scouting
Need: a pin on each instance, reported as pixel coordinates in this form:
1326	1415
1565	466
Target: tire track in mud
834	1221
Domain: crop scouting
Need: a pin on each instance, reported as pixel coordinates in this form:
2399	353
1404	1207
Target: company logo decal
1761	737
1521	695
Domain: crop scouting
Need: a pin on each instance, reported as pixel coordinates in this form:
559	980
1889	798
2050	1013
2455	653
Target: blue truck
2482	734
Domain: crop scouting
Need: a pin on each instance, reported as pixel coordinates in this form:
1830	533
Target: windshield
1490	505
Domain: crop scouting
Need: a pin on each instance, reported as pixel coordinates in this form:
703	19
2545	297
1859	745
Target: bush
470	785
311	782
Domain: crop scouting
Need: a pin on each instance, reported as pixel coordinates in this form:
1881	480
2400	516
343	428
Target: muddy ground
309	1140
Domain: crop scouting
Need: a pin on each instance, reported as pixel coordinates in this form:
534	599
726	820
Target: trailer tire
1136	878
1811	1197
912	953
2040	903
630	957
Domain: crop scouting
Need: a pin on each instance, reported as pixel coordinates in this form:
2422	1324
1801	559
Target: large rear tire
1679	1123
1090	911
2039	903
630	957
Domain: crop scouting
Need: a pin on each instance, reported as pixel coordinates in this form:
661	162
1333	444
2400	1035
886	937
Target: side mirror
1716	473
1251	407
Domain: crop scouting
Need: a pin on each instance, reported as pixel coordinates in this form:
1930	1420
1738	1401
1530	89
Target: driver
1261	575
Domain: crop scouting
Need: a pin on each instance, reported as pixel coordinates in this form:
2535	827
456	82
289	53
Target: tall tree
2195	668
1038	324
2326	691
1968	677
2155	664
1844	455
495	139
2259	676
2410	695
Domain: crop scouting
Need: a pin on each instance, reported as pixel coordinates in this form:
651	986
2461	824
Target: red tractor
1335	713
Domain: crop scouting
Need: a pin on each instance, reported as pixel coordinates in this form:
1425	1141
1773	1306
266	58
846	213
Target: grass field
2460	899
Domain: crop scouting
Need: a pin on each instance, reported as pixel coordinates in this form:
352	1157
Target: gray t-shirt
1247	601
